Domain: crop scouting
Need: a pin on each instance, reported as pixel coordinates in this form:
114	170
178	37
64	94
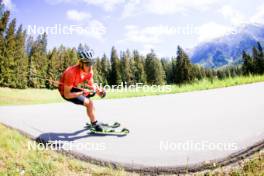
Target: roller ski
113	125
106	129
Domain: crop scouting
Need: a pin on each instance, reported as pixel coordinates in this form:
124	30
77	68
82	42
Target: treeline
26	62
253	64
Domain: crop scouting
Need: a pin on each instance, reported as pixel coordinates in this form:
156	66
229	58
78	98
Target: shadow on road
68	137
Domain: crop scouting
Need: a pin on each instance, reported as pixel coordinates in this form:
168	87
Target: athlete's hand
85	93
101	93
93	88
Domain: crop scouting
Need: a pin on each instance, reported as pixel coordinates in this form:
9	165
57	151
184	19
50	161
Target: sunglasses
88	64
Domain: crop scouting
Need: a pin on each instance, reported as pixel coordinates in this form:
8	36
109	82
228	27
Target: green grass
253	166
196	86
41	96
16	158
28	96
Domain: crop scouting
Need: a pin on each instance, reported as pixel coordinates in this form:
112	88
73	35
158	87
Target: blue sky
134	24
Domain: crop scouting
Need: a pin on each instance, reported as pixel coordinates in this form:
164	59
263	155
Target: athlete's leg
88	103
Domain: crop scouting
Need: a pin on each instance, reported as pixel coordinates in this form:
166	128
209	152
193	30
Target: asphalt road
166	132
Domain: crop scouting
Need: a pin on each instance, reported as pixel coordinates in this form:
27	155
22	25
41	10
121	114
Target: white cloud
154	35
148	35
8	4
53	2
161	7
107	5
130	8
211	31
77	15
87	28
238	18
258	17
94	29
233	15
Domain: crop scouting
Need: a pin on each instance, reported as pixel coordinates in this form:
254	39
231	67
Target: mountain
227	50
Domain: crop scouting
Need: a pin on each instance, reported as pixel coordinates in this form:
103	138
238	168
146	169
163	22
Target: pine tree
29	44
8	56
1	9
167	67
38	63
227	72
174	69
51	75
115	75
258	59
221	74
69	57
209	73
248	65
3	28
97	70
62	59
233	72
255	60
44	42
239	71
198	72
132	69
72	55
57	61
154	70
183	69
139	71
20	58
106	68
126	68
29	47
4	21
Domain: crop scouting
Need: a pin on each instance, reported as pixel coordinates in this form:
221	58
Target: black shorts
77	100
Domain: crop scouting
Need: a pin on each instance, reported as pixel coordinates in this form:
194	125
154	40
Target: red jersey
73	76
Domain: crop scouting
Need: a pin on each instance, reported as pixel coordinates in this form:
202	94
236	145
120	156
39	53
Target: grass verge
252	166
41	96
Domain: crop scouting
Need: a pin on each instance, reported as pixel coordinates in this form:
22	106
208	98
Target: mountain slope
228	49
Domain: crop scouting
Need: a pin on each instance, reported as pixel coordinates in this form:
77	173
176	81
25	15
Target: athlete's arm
68	85
68	94
91	85
99	91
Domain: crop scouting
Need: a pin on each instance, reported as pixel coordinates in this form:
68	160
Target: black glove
90	94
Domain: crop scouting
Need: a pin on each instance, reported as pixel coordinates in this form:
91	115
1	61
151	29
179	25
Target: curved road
167	133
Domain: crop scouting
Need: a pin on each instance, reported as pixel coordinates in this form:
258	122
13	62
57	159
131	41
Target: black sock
94	123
